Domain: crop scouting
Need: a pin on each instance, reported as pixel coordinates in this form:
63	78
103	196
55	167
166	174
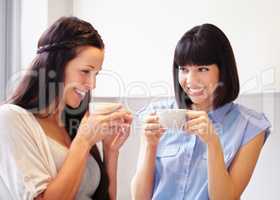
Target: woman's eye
203	69
85	71
183	69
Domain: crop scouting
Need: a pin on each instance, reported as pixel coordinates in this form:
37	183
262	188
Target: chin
73	104
199	100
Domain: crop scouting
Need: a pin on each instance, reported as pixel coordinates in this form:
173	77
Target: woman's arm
66	184
142	182
111	163
230	185
224	184
111	147
91	130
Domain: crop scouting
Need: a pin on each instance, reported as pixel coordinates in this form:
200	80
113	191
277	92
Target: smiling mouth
195	91
81	93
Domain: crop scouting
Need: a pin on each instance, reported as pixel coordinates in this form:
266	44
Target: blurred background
140	37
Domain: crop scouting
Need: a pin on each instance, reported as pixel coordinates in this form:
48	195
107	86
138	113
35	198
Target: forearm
67	182
142	182
111	163
220	185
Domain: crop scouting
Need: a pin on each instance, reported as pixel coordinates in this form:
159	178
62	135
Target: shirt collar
219	114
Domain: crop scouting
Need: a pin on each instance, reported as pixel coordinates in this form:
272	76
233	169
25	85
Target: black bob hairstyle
205	45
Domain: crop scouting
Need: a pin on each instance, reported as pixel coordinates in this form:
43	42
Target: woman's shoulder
11	111
14	117
17	125
249	113
256	122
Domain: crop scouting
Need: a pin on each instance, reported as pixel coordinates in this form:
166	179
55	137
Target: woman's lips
80	93
195	91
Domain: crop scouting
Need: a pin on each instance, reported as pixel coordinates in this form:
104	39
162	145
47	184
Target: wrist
110	153
213	142
151	146
111	162
80	143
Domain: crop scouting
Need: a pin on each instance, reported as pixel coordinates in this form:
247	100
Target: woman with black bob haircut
48	140
213	155
206	45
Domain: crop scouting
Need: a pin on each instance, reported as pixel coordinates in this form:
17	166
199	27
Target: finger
116	122
123	136
86	114
103	128
152	126
159	133
120	139
109	130
103	132
128	118
195	121
151	119
114	142
125	109
85	118
126	128
121	127
113	116
150	133
200	127
191	114
125	112
155	131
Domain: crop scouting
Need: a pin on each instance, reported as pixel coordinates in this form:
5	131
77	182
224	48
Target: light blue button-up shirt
181	160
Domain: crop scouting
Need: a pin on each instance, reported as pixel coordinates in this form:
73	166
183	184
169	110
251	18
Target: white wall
36	17
140	37
34	22
56	9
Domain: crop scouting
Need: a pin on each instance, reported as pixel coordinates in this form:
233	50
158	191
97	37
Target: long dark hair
40	88
205	45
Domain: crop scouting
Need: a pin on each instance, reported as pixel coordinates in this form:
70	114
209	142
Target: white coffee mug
172	118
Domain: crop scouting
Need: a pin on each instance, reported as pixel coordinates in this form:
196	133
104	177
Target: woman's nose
191	77
91	82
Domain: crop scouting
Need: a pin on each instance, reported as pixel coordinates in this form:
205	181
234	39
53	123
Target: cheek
213	83
215	77
72	79
181	79
69	84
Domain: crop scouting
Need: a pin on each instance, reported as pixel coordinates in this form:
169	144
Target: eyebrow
93	67
194	66
90	66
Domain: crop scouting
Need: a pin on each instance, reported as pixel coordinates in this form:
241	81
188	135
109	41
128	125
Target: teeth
196	90
82	93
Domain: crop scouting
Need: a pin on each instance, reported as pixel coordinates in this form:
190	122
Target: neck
202	107
53	114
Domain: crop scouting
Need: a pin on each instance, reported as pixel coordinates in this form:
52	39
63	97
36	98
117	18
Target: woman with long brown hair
47	139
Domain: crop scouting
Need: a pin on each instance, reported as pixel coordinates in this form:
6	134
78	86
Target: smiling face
80	75
199	83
